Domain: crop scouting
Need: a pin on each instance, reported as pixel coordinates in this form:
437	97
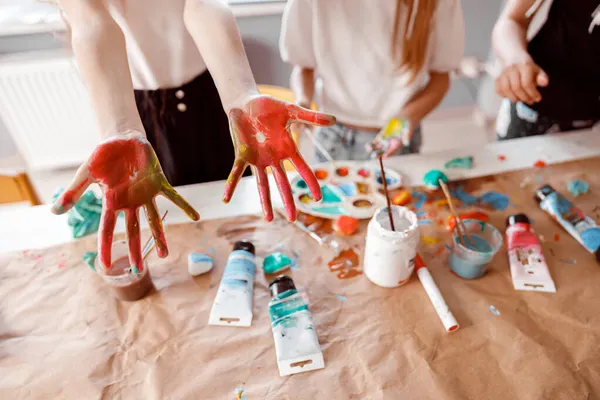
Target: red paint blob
556	237
343	171
502	158
321	174
540	164
365	173
345	225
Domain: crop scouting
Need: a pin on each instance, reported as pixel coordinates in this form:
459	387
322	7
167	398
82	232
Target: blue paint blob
198	257
421	213
389	180
494	310
578	187
424	222
419	199
464	197
341	298
301	184
329	196
497	201
349	189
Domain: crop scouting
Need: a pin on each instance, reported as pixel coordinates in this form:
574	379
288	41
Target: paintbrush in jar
151	242
387	195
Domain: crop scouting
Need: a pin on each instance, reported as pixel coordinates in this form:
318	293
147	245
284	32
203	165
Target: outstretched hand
130	175
261	136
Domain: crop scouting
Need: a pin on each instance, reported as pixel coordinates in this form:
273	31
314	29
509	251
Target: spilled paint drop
540	164
495	200
578	187
502	157
556	237
420	199
494	310
341	298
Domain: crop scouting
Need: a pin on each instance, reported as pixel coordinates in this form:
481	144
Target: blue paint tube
296	343
571	218
233	304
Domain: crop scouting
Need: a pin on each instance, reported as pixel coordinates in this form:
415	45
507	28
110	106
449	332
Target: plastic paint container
390	255
125	285
471	260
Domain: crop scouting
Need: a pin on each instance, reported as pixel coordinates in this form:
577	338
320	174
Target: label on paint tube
528	267
573	220
296	343
233	304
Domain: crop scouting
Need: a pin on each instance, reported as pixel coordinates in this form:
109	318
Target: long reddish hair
415	38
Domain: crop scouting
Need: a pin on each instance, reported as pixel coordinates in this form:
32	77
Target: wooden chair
15	188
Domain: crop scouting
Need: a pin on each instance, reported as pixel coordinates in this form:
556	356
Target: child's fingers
133	239
514	77
307	174
105	236
528	82
239	166
310	117
286	191
156	227
180	202
542	78
394	147
264	192
503	87
71	195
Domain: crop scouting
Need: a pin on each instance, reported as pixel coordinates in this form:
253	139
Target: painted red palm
262	139
130	175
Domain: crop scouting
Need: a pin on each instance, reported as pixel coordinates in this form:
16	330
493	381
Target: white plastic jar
390	255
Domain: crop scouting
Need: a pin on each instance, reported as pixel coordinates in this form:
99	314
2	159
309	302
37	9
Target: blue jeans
344	143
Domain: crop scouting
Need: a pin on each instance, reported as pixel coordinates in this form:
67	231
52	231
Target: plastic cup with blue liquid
471	260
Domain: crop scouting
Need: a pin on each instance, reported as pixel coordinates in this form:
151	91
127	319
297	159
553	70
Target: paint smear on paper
429	240
502	157
495	200
464	197
341	298
494	310
239	394
346	264
460	162
424	222
419	199
556	237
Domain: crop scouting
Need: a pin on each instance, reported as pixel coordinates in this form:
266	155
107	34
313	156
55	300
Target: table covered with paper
63	335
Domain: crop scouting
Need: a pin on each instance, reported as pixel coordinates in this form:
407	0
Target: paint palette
352	188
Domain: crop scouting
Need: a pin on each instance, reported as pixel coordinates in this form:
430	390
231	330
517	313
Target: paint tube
528	267
233	304
435	296
296	343
571	218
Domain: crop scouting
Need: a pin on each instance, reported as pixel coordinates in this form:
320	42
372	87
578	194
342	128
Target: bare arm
521	76
429	98
302	83
509	37
214	30
99	48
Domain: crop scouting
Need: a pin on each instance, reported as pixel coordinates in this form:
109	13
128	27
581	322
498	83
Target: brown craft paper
63	335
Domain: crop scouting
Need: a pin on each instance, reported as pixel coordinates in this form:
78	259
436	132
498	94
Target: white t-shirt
161	52
348	43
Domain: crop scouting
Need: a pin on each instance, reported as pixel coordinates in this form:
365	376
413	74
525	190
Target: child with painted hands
369	63
550	54
125	163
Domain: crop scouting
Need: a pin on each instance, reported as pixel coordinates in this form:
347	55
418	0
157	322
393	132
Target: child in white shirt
374	61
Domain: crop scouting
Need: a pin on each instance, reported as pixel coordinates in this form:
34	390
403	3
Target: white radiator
45	106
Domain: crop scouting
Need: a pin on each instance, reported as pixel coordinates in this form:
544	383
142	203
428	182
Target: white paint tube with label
296	343
233	304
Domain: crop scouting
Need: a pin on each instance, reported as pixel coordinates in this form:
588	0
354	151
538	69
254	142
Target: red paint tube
528	267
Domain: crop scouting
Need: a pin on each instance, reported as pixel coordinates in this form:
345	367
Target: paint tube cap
281	284
517	219
244	245
543	192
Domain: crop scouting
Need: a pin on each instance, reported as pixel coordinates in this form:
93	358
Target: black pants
516	120
189	131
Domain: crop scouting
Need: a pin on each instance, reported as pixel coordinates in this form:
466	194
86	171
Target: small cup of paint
472	259
125	283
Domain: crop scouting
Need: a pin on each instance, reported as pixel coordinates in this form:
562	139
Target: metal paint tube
571	218
528	267
296	343
233	304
